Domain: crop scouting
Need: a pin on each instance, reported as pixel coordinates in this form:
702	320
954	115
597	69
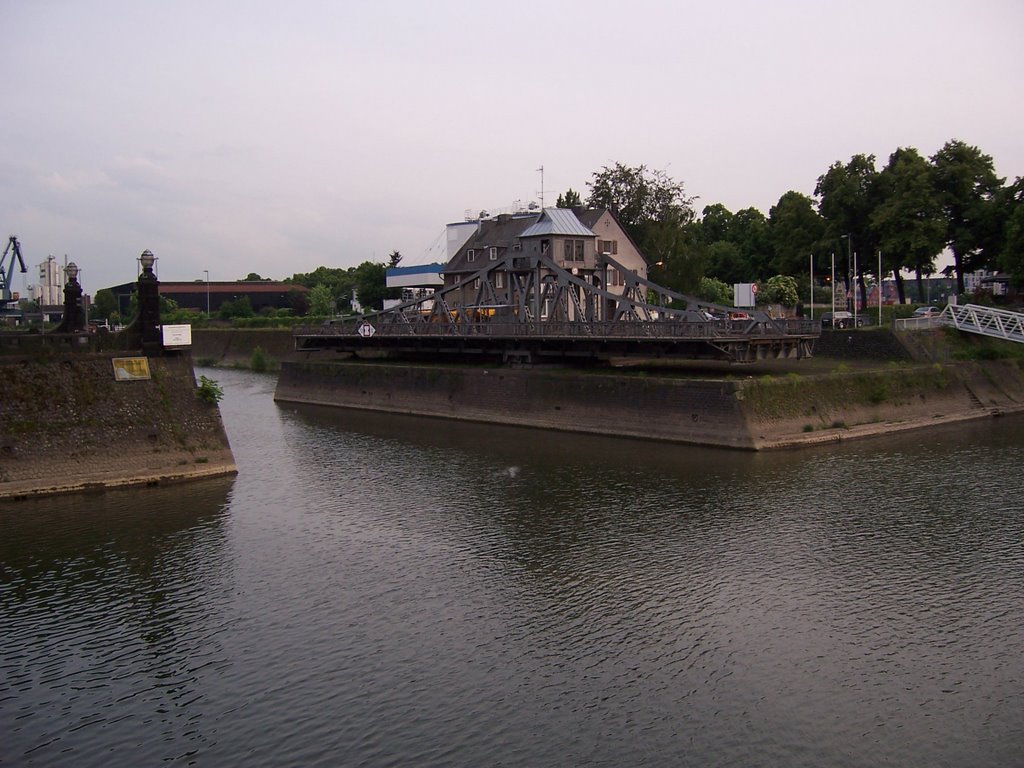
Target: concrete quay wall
749	413
67	425
699	412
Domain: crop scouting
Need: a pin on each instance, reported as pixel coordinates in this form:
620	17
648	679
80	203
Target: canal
378	590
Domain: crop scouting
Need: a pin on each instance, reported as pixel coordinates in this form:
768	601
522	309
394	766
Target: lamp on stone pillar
73	319
148	320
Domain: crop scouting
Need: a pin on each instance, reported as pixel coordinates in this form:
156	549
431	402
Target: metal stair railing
987	321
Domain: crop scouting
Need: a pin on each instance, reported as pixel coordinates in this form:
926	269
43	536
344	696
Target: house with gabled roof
575	239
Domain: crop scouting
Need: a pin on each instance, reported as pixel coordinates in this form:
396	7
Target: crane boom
14	248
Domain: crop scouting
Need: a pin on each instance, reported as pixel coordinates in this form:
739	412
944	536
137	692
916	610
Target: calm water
387	591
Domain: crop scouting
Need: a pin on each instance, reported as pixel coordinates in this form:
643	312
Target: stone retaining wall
700	412
753	414
66	424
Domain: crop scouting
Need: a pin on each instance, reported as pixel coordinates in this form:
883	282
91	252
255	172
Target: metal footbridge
972	318
987	321
530	309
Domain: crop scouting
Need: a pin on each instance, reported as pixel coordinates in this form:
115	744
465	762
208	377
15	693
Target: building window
493	253
517	246
470	255
499	279
476	283
545	245
574	250
608	246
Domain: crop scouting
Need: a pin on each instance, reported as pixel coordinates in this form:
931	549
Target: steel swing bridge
530	309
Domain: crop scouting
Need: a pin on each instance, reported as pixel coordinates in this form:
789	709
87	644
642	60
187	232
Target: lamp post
207	272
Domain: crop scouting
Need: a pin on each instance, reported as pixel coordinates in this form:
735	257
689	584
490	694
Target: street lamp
207	272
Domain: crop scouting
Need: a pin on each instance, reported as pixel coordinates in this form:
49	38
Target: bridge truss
530	309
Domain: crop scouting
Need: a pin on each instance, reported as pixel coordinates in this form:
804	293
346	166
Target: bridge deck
736	340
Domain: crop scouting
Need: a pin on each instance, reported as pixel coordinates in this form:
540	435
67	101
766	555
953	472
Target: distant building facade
202	296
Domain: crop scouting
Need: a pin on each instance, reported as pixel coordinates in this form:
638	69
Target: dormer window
470	255
493	253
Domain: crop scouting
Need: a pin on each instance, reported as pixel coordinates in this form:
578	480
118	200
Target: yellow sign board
131	368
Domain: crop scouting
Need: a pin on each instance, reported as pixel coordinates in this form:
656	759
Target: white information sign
177	335
366	330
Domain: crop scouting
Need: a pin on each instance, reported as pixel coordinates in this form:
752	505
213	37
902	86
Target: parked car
841	319
927	312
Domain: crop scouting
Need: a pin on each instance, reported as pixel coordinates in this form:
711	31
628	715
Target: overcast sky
274	137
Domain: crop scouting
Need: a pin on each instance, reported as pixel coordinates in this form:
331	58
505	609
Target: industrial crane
7	271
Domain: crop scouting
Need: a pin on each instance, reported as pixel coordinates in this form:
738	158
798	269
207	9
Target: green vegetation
971	346
794	396
910	210
258	361
209	391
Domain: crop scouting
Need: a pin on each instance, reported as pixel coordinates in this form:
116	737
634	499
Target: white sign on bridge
366	330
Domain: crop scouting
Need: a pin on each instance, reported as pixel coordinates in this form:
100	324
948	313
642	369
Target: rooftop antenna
541	169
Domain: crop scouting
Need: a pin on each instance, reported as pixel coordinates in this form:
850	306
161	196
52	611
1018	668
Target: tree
725	262
253	277
1011	258
298	302
678	256
640	199
371	286
966	183
570	199
907	219
658	216
715	291
845	202
781	289
749	231
341	283
795	231
320	300
715	223
394	259
240	307
104	304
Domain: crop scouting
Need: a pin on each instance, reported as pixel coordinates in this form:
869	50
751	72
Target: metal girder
545	310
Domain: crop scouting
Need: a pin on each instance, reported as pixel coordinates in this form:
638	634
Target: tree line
910	210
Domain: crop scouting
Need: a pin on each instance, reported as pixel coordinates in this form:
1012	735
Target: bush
258	361
209	391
